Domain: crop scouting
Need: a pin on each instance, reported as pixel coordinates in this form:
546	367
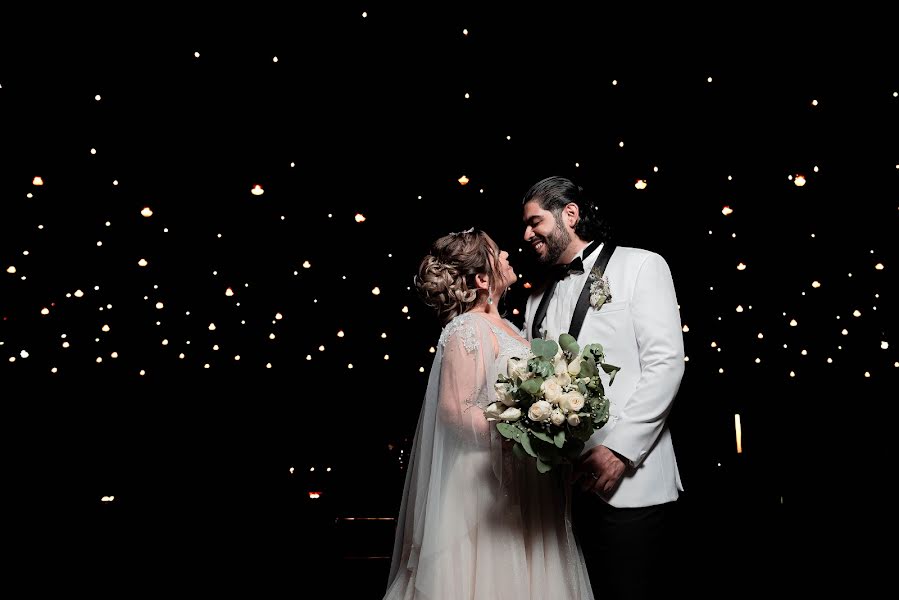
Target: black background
372	114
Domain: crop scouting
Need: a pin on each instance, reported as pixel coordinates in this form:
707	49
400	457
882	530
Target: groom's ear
571	213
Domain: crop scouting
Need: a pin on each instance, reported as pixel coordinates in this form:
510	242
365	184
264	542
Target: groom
624	524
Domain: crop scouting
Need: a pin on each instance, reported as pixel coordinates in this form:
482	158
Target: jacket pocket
612	307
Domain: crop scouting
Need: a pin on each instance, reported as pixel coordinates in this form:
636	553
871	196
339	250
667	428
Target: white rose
557	417
563	379
574	367
510	414
504	393
518	367
540	410
574	420
551	390
571	401
560	366
494	410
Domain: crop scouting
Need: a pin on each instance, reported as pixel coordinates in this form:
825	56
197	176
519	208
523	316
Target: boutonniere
600	293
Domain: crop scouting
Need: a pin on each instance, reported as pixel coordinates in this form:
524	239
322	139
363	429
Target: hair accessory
469	230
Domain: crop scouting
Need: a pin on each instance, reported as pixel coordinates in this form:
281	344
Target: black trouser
629	551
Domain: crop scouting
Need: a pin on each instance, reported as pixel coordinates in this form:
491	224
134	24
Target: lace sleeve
464	387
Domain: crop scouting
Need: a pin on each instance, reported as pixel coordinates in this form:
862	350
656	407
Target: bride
475	522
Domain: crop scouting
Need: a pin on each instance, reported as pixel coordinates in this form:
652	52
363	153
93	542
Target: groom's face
546	234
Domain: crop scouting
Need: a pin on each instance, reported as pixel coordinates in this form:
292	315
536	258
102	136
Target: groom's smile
545	232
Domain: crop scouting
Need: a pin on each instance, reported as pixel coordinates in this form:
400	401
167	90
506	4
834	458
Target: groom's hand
600	470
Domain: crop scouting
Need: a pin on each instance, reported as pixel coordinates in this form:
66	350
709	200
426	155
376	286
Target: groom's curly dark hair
554	193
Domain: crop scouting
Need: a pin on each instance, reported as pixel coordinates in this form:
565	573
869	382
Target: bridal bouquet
552	400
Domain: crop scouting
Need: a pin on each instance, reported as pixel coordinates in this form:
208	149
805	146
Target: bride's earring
489	296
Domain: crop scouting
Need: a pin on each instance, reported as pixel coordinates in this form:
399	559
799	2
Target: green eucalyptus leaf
542	436
612	370
559	438
525	442
568	343
588	367
532	386
601	413
544	348
594	350
508	431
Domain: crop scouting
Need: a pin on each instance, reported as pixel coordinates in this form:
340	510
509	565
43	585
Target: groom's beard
555	246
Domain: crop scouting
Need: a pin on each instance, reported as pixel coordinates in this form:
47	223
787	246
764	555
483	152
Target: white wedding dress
475	522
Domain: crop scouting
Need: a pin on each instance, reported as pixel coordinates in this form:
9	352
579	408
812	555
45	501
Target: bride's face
504	269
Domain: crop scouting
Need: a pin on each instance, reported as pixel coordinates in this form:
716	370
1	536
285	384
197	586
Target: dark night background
209	457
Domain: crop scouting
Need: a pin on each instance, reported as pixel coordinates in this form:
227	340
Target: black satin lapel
548	294
541	310
583	301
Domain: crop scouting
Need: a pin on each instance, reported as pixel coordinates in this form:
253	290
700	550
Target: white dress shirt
564	300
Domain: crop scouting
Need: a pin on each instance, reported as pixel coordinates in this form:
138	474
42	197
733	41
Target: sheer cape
475	522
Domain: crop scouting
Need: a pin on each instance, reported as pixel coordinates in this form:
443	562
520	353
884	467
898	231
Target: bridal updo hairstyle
446	275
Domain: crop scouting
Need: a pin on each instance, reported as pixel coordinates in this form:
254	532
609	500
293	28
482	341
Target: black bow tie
559	272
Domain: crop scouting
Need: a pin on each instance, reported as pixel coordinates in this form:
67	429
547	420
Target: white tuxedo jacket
640	331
